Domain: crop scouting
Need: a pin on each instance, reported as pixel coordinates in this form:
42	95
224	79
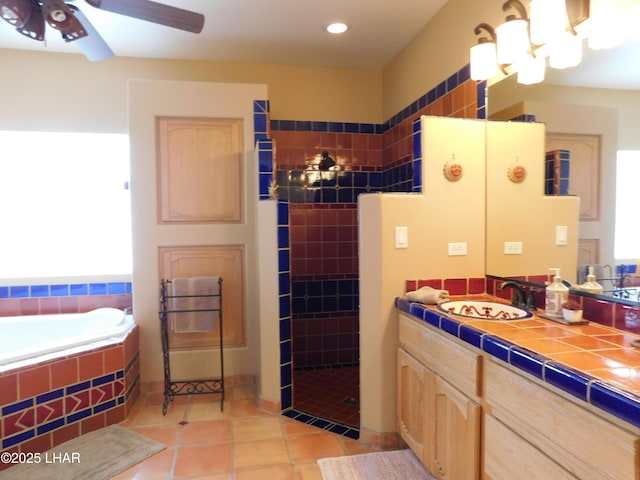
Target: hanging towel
428	295
197	308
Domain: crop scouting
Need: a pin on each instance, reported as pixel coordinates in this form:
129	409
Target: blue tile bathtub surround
39	291
613	400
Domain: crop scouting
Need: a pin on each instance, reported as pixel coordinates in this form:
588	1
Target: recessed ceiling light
337	28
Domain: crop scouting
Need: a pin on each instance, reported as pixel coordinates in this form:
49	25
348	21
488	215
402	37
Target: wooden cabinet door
508	456
452	443
413	382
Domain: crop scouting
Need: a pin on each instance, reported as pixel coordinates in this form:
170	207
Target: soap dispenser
591	285
555	295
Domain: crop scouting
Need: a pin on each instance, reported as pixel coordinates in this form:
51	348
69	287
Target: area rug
97	455
394	465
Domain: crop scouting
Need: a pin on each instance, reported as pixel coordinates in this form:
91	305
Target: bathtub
64	375
35	338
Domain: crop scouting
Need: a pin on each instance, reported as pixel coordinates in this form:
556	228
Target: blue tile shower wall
556	174
313	186
404	177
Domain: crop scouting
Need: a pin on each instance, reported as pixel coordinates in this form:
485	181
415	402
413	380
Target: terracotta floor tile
308	471
353	447
256	428
243	391
213	431
264	453
246	407
308	448
167	434
199	412
155	467
152	415
241	443
203	459
284	472
294	427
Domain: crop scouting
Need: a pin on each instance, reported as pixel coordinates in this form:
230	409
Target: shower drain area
330	393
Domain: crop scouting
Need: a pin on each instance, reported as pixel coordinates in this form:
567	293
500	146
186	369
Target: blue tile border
65	290
582	386
323	423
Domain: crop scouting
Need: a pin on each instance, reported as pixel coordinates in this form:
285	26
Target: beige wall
52	91
439	50
188	99
520	212
445	212
611	114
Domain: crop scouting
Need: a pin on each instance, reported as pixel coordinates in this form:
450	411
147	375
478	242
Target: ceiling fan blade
153	12
93	45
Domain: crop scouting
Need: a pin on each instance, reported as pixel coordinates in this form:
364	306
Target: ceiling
288	32
292	32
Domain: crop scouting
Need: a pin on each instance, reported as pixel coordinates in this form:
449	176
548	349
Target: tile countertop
594	363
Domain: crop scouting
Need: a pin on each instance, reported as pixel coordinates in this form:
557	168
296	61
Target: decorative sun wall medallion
452	171
516	173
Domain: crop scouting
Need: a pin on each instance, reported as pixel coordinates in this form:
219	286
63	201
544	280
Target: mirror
591	110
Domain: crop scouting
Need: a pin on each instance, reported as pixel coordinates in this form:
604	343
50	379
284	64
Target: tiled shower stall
318	231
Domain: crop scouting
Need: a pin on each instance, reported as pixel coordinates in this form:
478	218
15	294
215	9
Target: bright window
65	205
626	231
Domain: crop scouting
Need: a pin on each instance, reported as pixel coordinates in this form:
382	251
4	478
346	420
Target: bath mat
394	465
97	455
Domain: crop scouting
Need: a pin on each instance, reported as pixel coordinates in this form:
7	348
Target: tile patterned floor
241	443
331	393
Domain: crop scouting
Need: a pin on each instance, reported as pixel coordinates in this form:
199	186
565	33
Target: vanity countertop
594	363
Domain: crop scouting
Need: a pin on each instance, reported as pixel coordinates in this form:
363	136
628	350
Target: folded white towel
206	291
428	295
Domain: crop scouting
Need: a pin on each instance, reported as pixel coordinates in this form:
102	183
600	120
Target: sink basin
484	310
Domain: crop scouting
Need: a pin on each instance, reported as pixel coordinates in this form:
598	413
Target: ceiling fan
29	17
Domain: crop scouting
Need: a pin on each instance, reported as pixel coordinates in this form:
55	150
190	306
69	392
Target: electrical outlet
457	248
513	248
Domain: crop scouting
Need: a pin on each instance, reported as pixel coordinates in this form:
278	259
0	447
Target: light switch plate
402	237
457	248
513	248
561	235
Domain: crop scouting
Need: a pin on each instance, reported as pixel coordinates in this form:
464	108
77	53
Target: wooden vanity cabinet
439	416
533	432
